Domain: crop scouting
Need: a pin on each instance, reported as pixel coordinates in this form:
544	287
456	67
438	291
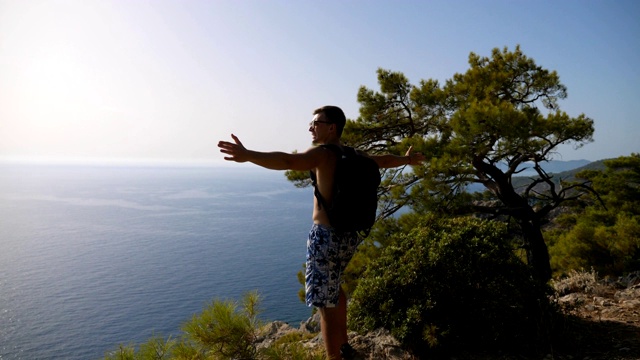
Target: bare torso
324	177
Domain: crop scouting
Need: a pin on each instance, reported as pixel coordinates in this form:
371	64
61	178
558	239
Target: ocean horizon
96	256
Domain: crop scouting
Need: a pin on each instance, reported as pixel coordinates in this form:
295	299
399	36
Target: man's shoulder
342	149
325	150
326	157
318	150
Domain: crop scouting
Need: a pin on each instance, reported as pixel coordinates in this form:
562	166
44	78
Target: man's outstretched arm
390	161
271	160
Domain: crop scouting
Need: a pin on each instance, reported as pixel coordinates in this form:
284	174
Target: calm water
91	257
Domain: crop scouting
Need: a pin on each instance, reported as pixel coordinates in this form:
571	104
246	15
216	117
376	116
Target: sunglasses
315	123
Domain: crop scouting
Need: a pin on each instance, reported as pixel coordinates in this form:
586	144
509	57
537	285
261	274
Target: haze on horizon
165	80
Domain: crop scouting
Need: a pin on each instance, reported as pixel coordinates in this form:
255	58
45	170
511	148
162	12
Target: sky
165	80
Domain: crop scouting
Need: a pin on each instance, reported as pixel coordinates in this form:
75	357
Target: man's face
320	129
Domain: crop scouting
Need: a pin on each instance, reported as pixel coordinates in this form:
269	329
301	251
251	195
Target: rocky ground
604	324
607	315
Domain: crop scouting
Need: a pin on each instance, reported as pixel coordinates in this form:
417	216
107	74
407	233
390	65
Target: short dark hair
334	115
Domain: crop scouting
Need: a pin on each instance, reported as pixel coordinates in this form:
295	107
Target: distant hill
565	170
567	175
553	166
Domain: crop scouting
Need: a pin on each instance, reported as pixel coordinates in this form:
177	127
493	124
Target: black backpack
355	193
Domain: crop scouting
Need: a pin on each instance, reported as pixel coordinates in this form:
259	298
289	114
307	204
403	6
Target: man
328	252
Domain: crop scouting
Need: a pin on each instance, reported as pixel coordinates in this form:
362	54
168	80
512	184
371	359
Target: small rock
627	294
312	324
597	300
631	303
571	298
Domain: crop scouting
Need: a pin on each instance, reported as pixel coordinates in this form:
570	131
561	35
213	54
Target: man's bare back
324	177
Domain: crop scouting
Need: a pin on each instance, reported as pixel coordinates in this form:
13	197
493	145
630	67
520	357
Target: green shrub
156	348
611	248
451	283
225	329
124	352
605	235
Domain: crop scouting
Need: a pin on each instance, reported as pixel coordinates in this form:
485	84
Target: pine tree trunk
520	209
537	251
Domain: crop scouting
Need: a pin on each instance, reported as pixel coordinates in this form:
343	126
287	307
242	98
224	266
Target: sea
94	256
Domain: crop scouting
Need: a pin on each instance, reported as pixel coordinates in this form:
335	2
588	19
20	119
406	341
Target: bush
605	235
451	283
611	248
580	282
224	330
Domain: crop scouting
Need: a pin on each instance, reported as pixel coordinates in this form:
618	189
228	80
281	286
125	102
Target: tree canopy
482	126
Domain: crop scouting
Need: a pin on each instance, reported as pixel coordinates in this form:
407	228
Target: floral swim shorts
328	254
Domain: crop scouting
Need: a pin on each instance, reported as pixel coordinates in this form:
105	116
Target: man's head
334	115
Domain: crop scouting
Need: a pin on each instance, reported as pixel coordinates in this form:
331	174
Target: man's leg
327	258
333	324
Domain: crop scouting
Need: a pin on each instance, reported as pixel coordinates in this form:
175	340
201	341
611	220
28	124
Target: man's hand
237	151
414	158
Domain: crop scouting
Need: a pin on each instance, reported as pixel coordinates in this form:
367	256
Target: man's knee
328	312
